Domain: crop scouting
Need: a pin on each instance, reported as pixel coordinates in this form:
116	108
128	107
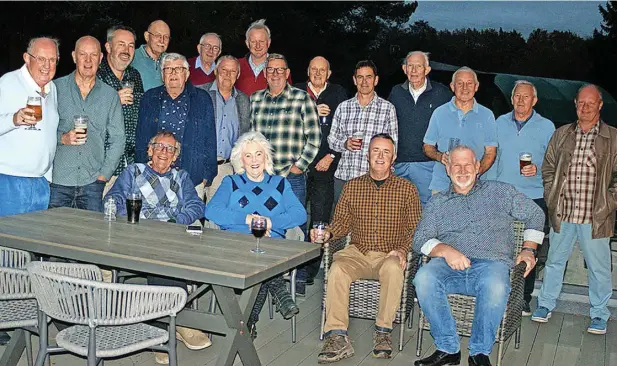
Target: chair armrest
14	258
15	284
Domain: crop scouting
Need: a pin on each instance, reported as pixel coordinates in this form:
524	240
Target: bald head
588	103
87	40
318	71
158	25
157	38
87	57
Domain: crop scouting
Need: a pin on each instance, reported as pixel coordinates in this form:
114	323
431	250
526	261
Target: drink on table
134	207
35	103
258	229
258	232
525	159
80	122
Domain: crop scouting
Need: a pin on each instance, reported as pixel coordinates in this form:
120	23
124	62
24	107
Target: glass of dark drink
258	229
80	122
35	103
134	207
525	159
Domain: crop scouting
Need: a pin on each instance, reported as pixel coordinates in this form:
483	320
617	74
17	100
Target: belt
224	161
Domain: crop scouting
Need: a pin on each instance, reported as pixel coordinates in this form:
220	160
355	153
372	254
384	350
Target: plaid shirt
579	188
290	122
378	116
381	218
129	111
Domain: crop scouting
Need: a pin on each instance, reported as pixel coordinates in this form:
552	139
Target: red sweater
197	75
248	83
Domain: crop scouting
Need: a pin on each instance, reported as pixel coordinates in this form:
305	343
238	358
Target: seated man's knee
391	267
495	289
425	280
338	272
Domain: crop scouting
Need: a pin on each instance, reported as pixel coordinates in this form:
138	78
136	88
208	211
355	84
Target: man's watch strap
530	250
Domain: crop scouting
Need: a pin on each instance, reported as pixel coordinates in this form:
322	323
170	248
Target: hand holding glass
525	159
320	231
258	229
80	122
35	103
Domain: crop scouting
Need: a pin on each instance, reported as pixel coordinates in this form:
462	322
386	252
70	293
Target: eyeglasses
174	70
165	37
159	146
42	60
279	70
209	47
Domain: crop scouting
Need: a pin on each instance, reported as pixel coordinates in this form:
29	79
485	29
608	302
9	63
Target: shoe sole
541	320
382	355
597	331
342	356
526	313
291	314
190	346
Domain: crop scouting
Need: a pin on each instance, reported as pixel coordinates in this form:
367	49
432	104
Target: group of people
230	139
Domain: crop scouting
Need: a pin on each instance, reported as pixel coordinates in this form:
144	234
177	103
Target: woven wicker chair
365	294
108	315
462	306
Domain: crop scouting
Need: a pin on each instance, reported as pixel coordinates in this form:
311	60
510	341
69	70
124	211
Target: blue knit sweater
238	197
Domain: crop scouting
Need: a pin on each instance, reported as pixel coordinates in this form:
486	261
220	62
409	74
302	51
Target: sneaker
336	347
162	358
525	310
287	307
597	326
541	315
382	345
193	339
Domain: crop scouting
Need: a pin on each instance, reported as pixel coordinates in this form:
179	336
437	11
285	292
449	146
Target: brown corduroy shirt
381	219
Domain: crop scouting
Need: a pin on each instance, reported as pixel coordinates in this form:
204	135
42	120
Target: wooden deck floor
561	342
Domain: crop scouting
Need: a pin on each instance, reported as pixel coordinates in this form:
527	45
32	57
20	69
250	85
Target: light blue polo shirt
149	69
475	129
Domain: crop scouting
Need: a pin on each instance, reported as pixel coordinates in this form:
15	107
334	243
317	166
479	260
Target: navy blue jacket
198	143
413	118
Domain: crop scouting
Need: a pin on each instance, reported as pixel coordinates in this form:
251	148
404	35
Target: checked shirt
381	219
290	122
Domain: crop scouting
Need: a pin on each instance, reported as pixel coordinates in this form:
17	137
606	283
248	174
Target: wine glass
35	103
258	229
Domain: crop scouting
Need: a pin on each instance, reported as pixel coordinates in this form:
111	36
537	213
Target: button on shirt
79	165
579	188
378	116
227	122
173	116
149	68
475	129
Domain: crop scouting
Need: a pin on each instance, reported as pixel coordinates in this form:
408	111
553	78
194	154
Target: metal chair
462	306
109	315
365	293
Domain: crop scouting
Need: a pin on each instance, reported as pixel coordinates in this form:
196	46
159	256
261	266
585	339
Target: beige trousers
349	265
222	171
109	185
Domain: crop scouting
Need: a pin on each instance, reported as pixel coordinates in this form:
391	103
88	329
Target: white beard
465	184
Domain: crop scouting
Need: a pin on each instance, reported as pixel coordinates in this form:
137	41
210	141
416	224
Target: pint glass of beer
525	159
128	84
358	136
81	127
35	103
134	207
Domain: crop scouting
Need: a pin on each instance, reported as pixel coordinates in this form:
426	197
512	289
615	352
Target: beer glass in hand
35	103
358	136
81	128
525	159
258	229
128	84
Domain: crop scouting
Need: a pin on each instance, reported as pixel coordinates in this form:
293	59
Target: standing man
82	166
462	121
201	67
321	172
257	40
232	115
520	131
116	71
415	100
356	120
148	57
579	176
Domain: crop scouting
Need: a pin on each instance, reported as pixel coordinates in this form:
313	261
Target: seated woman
255	191
167	195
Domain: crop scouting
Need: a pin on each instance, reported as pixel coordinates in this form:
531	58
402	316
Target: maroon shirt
197	76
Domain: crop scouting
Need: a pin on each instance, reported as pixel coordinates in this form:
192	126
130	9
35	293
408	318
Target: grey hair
212	34
412	53
166	134
229	58
460	148
586	86
258	24
239	147
110	32
523	82
173	57
32	41
463	69
276	56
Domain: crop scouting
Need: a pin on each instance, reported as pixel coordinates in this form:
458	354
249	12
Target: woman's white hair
239	147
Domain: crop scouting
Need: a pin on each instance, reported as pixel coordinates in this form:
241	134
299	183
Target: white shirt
417	92
26	153
313	90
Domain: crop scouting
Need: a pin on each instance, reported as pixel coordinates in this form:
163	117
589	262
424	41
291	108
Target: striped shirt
579	188
378	116
290	122
380	219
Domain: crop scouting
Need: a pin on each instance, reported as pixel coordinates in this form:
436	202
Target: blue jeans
419	174
597	256
299	187
486	279
88	197
22	194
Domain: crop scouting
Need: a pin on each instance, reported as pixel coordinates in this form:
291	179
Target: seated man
467	232
381	211
167	195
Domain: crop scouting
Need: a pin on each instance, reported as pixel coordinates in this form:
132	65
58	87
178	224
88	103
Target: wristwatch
530	250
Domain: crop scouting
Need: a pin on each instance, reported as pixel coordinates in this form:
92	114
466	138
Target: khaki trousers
222	171
349	265
109	185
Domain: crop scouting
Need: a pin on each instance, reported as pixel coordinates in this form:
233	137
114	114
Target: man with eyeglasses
148	57
257	40
232	115
202	66
82	166
26	156
185	111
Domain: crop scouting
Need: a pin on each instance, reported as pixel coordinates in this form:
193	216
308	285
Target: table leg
236	311
15	348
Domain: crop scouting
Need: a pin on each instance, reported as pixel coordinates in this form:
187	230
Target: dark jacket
413	118
199	146
332	96
555	171
243	107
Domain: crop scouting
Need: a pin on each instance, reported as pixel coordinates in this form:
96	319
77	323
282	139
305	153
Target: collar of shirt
520	124
142	49
285	92
416	92
477	185
593	130
216	88
369	180
75	87
257	68
454	108
30	81
373	100
180	97
314	91
198	65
